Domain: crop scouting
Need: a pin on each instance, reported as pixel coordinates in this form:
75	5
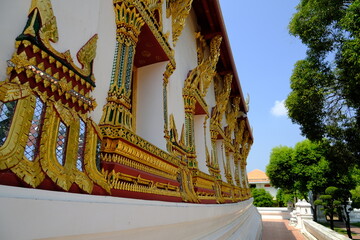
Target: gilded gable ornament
52	100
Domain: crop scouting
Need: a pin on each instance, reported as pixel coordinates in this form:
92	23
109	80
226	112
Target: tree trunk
347	222
314	212
331	221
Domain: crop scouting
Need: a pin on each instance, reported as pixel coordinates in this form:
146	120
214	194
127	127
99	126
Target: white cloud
279	109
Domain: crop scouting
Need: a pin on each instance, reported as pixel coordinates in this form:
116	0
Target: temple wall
133	63
42	214
76	27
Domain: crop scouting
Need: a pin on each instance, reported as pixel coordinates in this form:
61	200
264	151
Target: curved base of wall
40	214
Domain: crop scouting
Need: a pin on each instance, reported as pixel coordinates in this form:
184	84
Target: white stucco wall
200	142
232	167
186	60
104	56
34	214
149	105
11	26
77	23
221	158
210	97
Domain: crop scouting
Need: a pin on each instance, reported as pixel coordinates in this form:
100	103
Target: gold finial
48	29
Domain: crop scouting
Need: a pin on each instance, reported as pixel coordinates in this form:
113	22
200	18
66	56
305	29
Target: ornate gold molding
122	133
147	15
11	152
121	181
116	158
120	147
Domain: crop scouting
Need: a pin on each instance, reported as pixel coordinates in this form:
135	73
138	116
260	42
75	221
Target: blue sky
265	55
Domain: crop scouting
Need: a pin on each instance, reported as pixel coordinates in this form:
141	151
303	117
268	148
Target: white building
259	179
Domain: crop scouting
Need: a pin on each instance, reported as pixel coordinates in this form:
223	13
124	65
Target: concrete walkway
276	225
280	229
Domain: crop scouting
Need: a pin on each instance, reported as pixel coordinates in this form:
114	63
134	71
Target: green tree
282	198
262	198
306	168
311	167
335	200
280	168
355	197
325	97
329	203
355	193
300	169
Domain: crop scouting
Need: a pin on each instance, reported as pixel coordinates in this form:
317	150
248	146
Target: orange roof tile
257	176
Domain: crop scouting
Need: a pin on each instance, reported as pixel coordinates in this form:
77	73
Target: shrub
262	198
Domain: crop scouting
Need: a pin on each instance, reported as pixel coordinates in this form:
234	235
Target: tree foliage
310	167
325	97
279	170
262	198
283	198
300	169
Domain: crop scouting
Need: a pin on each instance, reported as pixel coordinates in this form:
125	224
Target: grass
339	229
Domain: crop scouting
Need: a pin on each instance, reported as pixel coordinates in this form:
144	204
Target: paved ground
279	229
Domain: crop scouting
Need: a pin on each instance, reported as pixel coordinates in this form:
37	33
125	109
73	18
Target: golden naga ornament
178	10
202	75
